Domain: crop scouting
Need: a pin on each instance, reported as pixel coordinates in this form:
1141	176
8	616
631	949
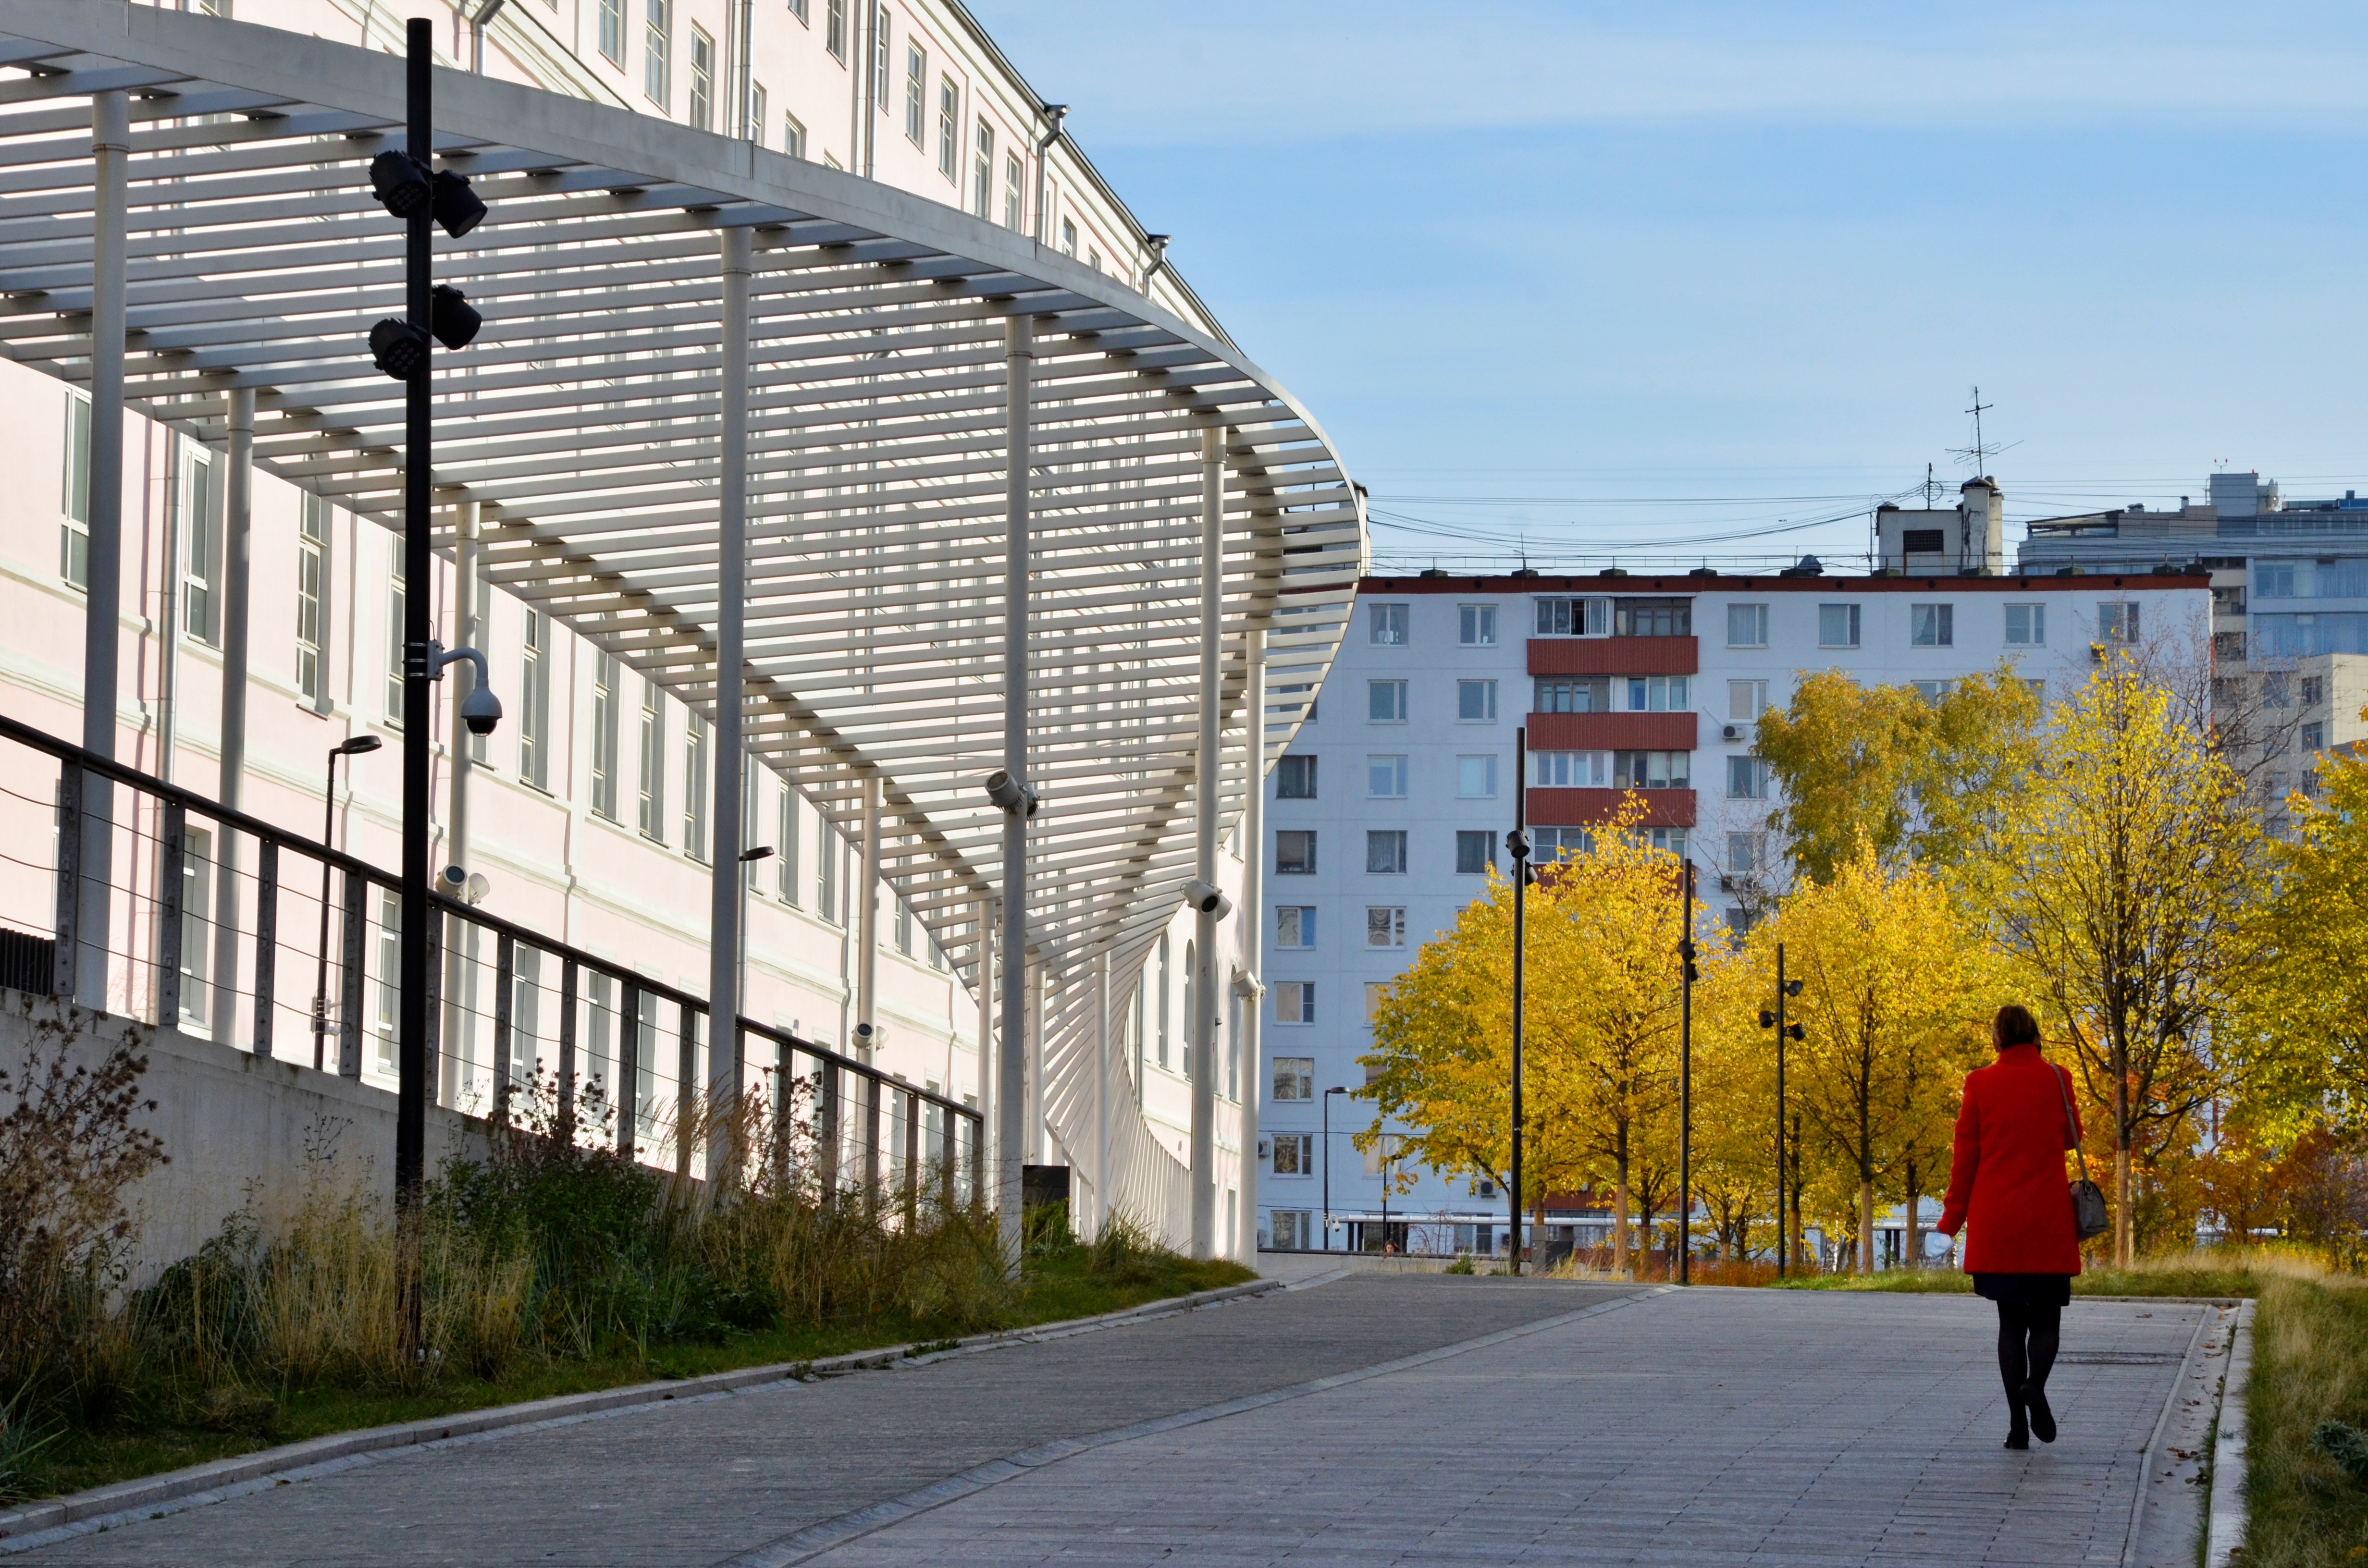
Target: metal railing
226	927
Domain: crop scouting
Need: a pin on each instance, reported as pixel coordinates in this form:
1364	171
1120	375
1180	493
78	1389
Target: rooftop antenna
1979	454
1931	488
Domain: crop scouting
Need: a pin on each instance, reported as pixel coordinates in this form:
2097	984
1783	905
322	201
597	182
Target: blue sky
1584	275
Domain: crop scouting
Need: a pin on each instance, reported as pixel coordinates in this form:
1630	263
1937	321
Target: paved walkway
1588	1425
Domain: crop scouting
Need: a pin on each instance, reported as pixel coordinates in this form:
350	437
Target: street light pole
1686	1085
1784	1031
1327	1163
1517	845
355	746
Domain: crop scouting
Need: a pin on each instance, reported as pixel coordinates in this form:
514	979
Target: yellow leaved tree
1895	993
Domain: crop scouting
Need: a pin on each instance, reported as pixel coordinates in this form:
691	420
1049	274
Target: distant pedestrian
2007	1183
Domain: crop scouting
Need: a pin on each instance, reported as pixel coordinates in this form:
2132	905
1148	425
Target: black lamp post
1687	975
1784	1031
1327	1164
1517	845
358	745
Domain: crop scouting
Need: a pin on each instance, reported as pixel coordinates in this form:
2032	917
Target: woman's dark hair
2016	1026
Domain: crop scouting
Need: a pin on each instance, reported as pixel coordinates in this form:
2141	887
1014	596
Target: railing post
872	1087
629	1069
349	983
949	1152
70	842
565	1112
685	1090
977	1157
826	1126
504	992
168	916
912	1158
266	940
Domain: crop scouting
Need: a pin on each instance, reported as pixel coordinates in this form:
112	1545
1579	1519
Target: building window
1385	926
197	920
2117	624
1570	769
534	701
1574	617
1652	617
605	731
390	972
1656	694
1386	852
612	31
480	634
1069	238
1385	625
1475	852
657	46
1294	852
1014	178
1838	626
948	128
1932	626
1292	1154
1376	992
1548	845
1294	1003
1933	690
1385	777
1294	778
828	848
1746	700
1746	779
2314	736
395	614
1650	769
703	79
1743	851
982	172
201	544
788	834
794	136
904	928
1386	701
1475	701
1476	778
1294	1077
650	809
757	100
73	543
916	90
2026	626
834	29
880	57
1292	1229
1746	626
2314	690
1581	694
695	744
1295	926
1476	626
312	596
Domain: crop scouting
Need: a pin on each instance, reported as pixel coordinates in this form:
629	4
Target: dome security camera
480	711
1206	899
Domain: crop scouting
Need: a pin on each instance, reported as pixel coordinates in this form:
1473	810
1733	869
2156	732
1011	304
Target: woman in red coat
2007	1183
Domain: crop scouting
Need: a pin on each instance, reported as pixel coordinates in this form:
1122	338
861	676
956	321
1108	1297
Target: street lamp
358	745
1784	1031
1517	845
740	964
1687	975
1327	1164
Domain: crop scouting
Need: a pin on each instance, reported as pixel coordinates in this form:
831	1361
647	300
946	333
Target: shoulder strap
2064	1086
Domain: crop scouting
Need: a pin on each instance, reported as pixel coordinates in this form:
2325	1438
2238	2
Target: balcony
1613	731
1614	655
1584	808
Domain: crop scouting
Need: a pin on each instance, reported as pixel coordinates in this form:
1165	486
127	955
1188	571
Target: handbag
2089	1216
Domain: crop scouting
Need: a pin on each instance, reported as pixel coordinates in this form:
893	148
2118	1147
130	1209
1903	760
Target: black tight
2026	1346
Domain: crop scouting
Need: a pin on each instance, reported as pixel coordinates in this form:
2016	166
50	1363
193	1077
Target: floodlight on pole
353	745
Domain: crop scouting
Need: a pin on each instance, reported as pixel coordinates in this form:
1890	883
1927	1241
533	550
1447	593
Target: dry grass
2310	1365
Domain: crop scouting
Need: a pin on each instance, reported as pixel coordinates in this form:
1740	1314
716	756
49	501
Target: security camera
1206	899
1009	793
480	711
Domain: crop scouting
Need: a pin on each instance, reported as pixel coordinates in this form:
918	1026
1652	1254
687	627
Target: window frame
834	29
1305	837
1302	923
1488	760
1302	993
1467	837
1392	927
1933	625
701	110
657	53
917	91
314	528
1476	626
1757	612
1849	611
950	131
1389	623
1487	687
2034	627
982	170
1295	767
1302	1074
1374	690
1392	842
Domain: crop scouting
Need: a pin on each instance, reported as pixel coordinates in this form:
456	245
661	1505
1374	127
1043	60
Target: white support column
723	1071
1011	1141
458	1032
1208	769
989	1127
867	923
1253	936
237	529
110	145
1101	1091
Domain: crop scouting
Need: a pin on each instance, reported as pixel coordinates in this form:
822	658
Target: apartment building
588	805
1392	804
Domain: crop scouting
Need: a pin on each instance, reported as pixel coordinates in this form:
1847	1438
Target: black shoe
2017	1435
2042	1420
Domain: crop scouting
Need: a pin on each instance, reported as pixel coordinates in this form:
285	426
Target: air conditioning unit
1734	732
1266	1148
1487	1189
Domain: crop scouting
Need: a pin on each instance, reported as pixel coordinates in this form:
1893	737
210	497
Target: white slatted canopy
585	423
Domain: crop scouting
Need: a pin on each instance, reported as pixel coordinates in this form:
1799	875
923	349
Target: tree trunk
2124	1240
1866	1224
1911	1250
1620	1221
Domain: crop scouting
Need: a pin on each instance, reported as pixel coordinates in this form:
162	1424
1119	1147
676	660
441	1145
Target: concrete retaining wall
236	1128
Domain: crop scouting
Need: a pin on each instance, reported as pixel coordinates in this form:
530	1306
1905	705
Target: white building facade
1394	801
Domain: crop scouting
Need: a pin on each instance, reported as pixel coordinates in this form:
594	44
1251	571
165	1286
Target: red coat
2008	1180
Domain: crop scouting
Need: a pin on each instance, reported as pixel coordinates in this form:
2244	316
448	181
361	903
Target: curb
2224	1523
149	1492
